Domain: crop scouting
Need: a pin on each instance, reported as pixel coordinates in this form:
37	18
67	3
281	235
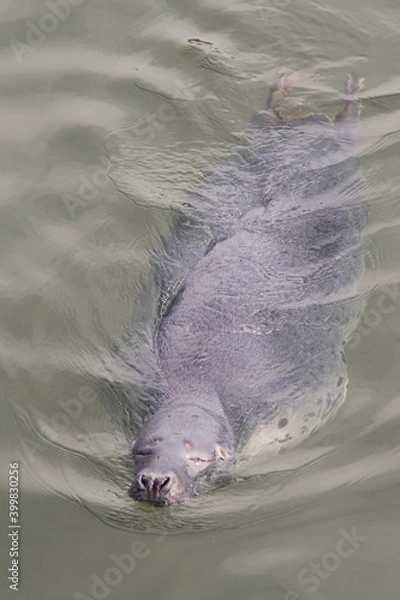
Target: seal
250	350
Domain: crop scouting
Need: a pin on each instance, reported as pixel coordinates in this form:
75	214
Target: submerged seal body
255	338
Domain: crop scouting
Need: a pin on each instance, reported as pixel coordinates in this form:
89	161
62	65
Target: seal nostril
165	482
143	482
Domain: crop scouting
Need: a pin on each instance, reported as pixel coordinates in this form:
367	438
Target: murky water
111	112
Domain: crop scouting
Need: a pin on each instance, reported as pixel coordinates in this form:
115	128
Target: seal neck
196	408
193	393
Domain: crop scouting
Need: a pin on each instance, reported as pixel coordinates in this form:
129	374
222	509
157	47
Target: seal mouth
159	488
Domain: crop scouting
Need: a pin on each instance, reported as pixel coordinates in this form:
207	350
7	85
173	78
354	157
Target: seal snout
157	487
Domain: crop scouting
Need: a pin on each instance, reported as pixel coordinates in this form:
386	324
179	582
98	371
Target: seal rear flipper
346	122
281	89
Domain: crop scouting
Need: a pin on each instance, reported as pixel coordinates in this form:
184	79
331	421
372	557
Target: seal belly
264	318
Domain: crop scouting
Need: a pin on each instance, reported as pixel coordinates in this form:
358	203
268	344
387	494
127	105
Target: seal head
178	443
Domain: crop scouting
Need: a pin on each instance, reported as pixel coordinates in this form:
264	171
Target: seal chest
251	350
